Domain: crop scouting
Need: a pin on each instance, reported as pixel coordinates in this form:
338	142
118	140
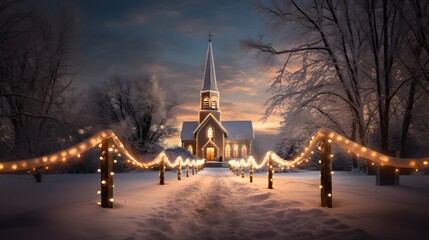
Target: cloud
197	27
191	25
143	17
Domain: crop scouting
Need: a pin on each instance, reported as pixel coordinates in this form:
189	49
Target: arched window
227	151
206	103
235	151
243	151
210	133
214	102
190	149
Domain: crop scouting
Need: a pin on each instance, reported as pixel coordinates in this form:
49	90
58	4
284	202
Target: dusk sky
169	39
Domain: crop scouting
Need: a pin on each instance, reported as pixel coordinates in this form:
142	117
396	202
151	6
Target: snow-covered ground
214	204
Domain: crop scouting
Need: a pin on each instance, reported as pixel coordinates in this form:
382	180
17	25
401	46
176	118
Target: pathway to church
213	204
219	205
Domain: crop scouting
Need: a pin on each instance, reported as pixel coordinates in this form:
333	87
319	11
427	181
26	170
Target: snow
237	130
213	204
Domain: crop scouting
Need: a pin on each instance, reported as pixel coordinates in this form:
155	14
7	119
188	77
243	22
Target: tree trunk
407	118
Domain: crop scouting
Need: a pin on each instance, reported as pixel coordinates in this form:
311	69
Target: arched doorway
210	154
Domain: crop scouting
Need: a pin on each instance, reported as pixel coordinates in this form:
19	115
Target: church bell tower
209	94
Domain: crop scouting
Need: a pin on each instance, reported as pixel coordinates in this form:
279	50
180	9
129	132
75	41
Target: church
211	137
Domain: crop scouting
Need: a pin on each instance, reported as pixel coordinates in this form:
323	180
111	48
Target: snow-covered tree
137	108
343	65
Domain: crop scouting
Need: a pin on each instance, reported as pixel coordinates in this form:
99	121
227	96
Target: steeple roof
209	72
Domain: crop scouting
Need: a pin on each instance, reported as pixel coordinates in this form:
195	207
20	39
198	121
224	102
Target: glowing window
235	151
244	151
210	133
227	151
206	103
214	102
190	149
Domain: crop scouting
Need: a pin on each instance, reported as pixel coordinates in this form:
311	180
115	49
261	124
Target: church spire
209	72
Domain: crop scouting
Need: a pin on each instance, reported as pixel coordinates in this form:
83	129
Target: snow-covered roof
209	72
237	130
188	130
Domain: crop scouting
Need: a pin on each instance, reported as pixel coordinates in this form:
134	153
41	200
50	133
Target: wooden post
270	172
187	169
196	168
251	172
193	169
325	173
179	170
236	170
162	171
106	170
242	171
386	175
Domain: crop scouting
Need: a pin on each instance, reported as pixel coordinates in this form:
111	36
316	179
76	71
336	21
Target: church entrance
210	154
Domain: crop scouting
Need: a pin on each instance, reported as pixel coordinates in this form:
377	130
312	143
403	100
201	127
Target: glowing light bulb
103	182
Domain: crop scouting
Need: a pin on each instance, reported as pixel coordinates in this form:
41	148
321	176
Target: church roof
209	82
237	130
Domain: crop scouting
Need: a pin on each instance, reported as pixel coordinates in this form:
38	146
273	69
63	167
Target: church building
211	137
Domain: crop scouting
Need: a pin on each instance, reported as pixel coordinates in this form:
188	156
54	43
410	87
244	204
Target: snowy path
213	204
222	207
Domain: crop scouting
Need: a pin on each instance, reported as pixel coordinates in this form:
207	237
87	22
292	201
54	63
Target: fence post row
251	172
270	172
106	170
325	173
187	169
179	170
162	171
242	171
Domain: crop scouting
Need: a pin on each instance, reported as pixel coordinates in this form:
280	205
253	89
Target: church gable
210	119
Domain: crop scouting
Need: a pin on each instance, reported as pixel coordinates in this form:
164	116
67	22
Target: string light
118	148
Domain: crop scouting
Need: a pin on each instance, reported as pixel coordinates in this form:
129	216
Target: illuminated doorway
210	154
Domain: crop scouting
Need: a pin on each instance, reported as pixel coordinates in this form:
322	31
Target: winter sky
169	39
